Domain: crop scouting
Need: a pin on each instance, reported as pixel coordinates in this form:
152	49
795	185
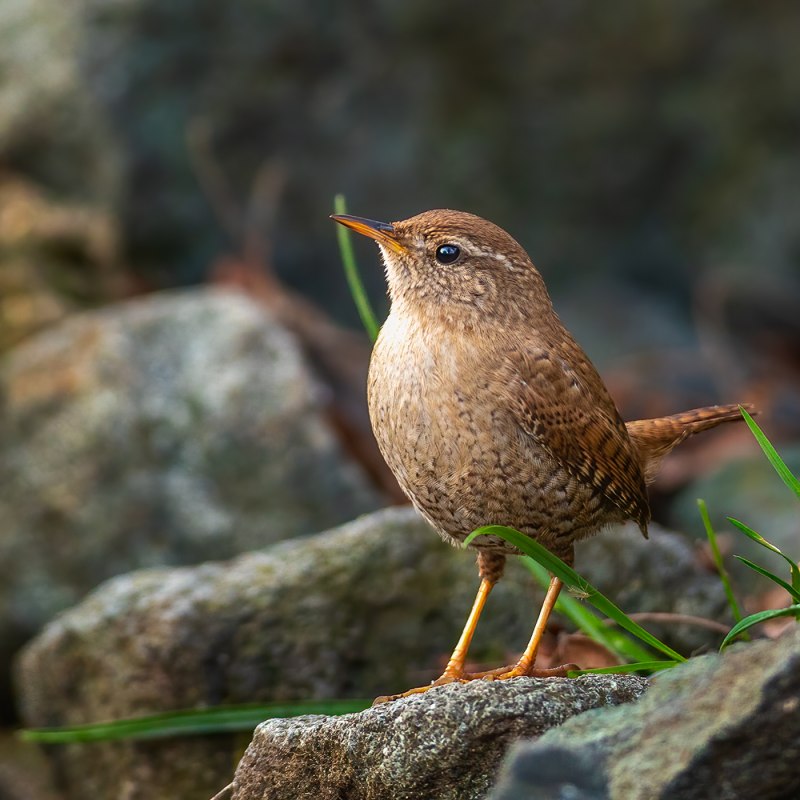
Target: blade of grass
543	556
757	537
640	666
612	639
368	318
795	595
772	454
755	619
191	722
718	563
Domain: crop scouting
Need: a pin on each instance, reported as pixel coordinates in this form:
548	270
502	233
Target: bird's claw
522	671
443	680
499	674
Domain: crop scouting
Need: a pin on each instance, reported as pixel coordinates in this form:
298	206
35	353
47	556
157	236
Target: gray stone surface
53	126
370	608
725	727
168	430
442	745
392	598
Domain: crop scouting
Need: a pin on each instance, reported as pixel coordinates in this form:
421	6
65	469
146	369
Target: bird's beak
382	232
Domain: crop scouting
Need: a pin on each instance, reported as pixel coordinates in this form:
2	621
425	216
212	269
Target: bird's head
455	265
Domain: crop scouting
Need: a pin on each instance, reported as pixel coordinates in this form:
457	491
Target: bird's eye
447	253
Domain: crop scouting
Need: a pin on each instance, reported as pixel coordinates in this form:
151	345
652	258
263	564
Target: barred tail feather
654	438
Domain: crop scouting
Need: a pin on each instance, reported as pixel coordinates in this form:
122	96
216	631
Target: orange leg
525	665
454	671
455	666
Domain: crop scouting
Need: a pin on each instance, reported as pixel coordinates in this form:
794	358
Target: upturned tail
654	438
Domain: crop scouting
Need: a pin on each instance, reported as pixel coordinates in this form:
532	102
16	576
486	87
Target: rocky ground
718	726
446	744
369	608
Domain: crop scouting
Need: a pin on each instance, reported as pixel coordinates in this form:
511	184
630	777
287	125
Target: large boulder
170	430
445	744
718	726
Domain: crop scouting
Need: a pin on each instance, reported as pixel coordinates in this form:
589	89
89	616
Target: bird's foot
447	677
521	670
499	674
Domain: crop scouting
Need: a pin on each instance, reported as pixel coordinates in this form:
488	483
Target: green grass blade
368	318
717	556
755	619
795	595
757	537
623	647
640	666
772	454
191	722
572	580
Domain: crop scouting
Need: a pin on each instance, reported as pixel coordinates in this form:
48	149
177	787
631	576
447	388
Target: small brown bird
488	411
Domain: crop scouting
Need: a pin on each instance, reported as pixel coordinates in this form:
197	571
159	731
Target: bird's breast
420	383
451	448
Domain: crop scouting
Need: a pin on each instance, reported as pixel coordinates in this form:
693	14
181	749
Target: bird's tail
654	438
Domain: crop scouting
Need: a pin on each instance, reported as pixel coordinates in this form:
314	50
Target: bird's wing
571	415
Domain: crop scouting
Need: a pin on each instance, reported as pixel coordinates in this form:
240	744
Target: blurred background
648	160
646	154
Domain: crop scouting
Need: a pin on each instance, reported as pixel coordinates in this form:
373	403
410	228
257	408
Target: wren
489	413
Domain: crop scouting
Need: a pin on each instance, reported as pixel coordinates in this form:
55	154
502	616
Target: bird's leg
528	658
525	665
490	568
455	666
527	662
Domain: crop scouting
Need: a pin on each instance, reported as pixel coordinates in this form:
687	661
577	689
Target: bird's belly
464	464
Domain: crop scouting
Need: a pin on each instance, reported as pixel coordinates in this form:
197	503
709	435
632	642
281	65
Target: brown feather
579	426
654	438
